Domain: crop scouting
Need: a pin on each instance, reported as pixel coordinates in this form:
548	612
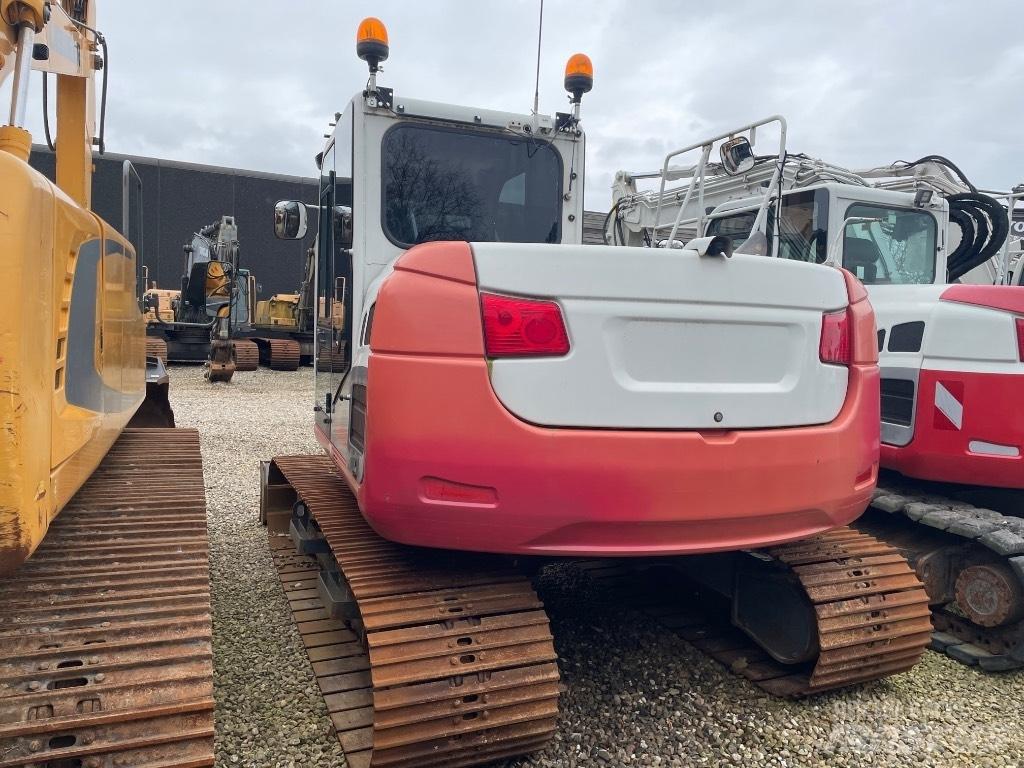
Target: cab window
898	248
446	184
802	226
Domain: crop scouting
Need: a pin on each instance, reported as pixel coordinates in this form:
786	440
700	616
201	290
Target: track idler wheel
990	595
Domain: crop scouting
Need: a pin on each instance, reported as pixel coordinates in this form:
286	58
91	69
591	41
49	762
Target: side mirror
343	227
290	220
737	155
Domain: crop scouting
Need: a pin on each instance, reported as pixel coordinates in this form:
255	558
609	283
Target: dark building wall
180	198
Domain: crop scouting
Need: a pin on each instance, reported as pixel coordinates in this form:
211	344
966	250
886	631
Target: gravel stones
636	694
270	713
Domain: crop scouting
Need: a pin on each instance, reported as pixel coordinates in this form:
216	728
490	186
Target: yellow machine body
166	298
281	310
72	351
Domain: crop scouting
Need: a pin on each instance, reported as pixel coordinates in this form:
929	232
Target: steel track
105	633
279	354
247	355
871	610
904	508
446	660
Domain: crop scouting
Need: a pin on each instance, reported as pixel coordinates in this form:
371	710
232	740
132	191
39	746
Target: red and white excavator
516	394
951	352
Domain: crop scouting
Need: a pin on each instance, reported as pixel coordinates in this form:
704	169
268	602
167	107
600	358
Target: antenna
536	82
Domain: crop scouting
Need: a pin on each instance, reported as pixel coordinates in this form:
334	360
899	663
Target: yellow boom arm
71	48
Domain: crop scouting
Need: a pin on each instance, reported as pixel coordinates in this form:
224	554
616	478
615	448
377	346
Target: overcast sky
253	83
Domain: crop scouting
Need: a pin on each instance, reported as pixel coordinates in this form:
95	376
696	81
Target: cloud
253	84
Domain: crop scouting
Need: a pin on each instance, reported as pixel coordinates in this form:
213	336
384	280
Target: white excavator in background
944	279
967	222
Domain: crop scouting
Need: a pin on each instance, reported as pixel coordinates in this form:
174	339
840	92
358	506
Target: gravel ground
636	695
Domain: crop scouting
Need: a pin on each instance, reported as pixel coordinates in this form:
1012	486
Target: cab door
333	338
327	379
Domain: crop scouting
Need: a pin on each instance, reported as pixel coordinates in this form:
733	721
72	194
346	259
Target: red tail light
522	327
1020	338
836	345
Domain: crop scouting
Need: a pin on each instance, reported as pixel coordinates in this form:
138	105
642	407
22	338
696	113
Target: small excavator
105	643
514	397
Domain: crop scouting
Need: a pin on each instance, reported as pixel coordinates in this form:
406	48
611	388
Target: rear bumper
960	442
447	466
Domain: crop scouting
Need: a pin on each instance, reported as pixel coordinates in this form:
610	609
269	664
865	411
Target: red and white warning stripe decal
949	405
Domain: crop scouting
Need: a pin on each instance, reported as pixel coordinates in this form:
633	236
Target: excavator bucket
222	361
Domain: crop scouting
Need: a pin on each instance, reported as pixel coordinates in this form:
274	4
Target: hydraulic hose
991	230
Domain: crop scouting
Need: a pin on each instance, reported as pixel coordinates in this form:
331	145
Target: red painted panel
991	413
453	261
448	466
1009	298
423	315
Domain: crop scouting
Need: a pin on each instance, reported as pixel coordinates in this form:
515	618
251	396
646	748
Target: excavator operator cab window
736	227
444	183
802	226
898	249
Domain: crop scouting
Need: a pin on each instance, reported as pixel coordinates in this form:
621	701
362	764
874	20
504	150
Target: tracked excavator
275	332
199	322
105	652
514	397
934	254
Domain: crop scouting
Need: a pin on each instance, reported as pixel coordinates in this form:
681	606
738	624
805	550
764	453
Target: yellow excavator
90	673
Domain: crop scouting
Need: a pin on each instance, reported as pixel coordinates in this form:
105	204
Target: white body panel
957	337
668	339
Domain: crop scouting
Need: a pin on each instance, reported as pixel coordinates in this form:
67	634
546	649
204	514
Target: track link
156	348
279	354
247	355
105	633
442	659
871	610
942	535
